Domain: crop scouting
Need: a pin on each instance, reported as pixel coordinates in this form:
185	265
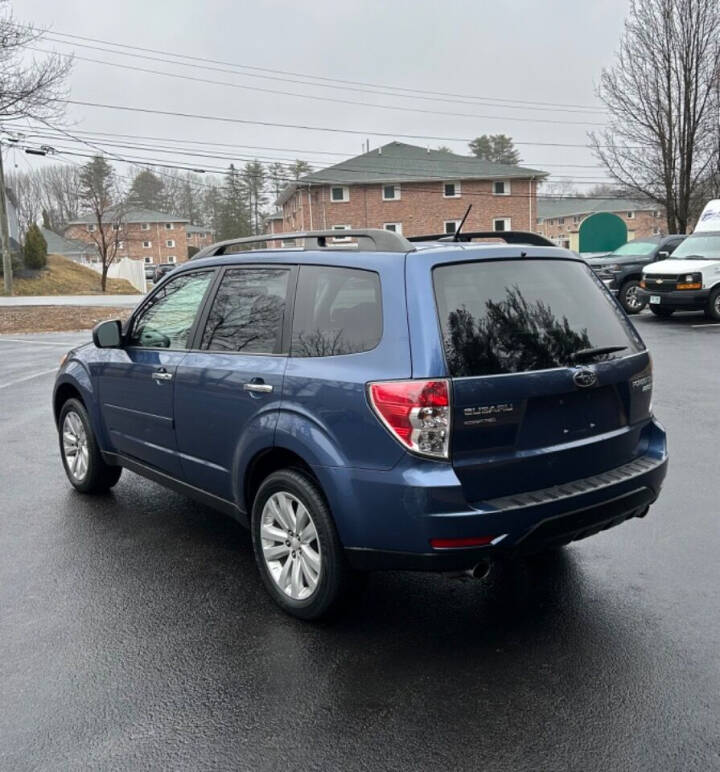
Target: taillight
416	412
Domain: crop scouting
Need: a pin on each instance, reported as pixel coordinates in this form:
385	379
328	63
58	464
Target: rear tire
629	299
713	307
662	312
81	457
298	552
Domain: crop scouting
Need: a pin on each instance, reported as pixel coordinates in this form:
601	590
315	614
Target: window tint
168	318
248	310
337	311
521	315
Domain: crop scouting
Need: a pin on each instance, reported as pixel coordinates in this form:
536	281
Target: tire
305	571
662	312
629	299
713	307
81	457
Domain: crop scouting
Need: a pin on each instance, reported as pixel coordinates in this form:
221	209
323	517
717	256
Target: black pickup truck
621	270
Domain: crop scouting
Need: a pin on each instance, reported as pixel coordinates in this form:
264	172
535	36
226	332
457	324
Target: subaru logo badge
584	379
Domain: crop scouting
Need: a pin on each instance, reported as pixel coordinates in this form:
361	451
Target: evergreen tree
253	175
35	251
147	191
234	219
498	148
299	169
278	179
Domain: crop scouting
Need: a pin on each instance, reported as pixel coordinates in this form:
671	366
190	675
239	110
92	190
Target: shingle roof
399	162
130	216
196	228
57	245
564	207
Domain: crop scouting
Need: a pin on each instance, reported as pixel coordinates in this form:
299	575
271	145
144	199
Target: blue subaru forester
372	403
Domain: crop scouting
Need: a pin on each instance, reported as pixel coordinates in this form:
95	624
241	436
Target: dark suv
388	406
621	270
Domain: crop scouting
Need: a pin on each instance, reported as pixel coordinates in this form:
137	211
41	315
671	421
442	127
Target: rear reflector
416	412
472	541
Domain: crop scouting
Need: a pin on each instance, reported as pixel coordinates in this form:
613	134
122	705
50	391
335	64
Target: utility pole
5	233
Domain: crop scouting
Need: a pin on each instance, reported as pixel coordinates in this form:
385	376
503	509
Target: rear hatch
550	381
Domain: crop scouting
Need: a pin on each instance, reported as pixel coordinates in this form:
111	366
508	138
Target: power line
333	100
421	93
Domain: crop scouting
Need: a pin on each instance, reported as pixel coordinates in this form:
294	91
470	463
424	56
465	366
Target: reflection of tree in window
514	336
247	314
167	320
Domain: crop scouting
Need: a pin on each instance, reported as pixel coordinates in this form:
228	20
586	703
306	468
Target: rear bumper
386	521
681	300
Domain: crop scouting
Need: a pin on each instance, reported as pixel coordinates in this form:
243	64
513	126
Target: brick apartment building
413	191
560	219
143	234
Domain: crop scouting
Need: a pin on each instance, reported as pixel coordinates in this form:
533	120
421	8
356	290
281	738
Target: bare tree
28	88
50	194
98	186
661	96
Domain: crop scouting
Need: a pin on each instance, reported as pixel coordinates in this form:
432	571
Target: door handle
258	388
162	375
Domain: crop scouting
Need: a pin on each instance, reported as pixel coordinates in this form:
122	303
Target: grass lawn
66	277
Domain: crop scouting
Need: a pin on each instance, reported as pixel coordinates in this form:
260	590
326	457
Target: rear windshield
522	315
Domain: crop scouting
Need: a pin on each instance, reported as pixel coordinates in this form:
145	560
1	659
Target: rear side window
522	315
337	311
247	312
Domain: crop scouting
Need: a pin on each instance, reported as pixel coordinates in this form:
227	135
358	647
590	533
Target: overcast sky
550	51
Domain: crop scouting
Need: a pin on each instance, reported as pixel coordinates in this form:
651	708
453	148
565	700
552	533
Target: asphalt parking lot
135	632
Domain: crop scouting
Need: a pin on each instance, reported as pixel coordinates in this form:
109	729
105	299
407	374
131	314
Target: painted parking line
27	378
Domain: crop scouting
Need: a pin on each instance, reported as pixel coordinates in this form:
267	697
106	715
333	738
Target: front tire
662	311
297	549
629	298
81	457
713	307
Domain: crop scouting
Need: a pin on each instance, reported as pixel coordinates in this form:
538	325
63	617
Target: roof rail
368	240
509	237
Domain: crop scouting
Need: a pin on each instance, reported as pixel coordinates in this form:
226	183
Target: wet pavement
135	633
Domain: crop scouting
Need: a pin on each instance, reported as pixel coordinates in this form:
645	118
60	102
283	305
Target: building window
341	228
147	244
145	226
338	194
390	192
451	190
501	224
148	260
169	226
451	226
171	258
91	228
501	188
631	215
576	218
121	245
561	221
170	243
116	226
395	227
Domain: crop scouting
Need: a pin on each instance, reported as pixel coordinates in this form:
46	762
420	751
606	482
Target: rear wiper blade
584	353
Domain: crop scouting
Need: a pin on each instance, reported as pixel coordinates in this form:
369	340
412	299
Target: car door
228	389
136	383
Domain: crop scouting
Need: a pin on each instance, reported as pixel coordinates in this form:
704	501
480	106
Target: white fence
130	270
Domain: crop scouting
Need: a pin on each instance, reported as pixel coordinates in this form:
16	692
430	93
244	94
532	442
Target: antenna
456	235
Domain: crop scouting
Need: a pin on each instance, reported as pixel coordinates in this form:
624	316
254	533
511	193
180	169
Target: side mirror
662	254
108	334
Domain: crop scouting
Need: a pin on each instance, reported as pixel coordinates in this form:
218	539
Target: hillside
66	277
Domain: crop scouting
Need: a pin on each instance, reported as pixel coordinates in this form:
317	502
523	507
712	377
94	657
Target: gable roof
400	162
197	229
548	208
57	245
131	215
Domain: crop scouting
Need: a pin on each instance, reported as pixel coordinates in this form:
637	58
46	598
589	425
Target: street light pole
5	233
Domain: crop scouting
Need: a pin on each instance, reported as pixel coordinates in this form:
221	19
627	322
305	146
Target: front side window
248	311
516	316
337	311
168	317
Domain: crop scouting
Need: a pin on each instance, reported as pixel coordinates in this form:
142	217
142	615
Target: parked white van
690	280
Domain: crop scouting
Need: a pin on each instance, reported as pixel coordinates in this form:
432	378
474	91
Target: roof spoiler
509	237
368	240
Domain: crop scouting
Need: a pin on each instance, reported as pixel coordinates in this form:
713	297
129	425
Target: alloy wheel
290	545
75	446
632	299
